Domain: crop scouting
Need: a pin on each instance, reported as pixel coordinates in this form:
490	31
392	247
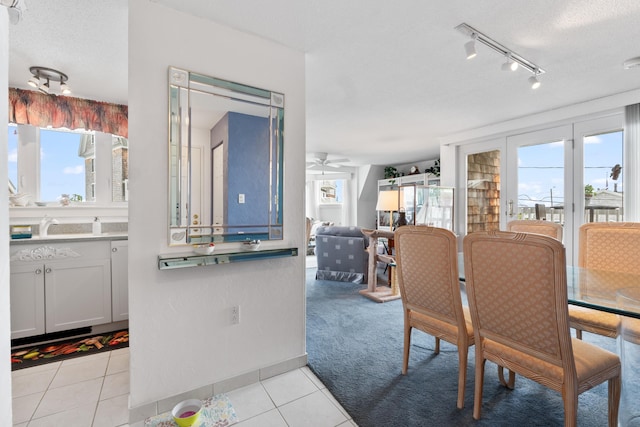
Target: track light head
34	82
44	87
510	64
534	82
470	46
65	89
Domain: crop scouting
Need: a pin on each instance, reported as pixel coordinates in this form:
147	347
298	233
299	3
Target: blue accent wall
248	172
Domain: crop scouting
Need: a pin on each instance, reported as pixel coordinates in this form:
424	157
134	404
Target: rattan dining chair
517	292
536	226
610	246
427	273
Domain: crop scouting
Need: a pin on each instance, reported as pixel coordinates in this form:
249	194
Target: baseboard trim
140	413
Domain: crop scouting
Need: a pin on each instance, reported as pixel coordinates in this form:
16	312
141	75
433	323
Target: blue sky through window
61	168
541	168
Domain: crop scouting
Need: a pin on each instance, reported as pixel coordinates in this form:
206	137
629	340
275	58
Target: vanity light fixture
43	76
513	62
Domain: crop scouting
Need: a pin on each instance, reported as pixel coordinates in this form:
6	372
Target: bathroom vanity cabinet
57	286
119	280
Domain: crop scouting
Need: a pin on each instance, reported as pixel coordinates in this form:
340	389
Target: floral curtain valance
28	107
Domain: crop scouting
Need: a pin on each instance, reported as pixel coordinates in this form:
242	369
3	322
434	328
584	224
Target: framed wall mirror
225	160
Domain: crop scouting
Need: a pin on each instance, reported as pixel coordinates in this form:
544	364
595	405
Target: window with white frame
331	191
47	163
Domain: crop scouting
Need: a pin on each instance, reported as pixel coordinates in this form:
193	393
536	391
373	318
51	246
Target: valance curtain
28	107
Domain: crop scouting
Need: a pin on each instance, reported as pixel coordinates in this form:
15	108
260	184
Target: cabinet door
78	294
120	279
27	300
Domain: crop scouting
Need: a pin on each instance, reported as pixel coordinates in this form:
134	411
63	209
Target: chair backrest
537	226
427	272
612	246
517	291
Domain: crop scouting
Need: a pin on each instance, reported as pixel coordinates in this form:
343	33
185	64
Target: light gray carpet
355	348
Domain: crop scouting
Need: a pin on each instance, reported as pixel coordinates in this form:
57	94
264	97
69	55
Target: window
331	191
86	166
603	177
62	165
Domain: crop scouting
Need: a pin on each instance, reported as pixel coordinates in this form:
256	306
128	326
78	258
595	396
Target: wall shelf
168	262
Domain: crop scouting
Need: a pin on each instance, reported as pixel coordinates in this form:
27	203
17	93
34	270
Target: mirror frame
181	85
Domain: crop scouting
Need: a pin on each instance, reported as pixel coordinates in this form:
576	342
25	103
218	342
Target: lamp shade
388	200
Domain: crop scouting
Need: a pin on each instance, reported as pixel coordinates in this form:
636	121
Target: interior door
218	195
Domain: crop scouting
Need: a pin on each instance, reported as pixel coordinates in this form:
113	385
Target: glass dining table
596	289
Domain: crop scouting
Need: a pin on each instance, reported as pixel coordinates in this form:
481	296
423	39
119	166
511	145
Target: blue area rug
355	348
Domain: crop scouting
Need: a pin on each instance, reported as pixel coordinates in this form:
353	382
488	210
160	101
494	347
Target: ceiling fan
320	159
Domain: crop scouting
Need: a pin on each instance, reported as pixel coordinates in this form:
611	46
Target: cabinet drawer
46	252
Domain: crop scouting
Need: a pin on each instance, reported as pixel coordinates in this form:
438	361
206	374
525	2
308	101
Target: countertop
71	237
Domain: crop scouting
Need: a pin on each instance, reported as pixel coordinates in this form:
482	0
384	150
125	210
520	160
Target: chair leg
462	374
614	400
407	345
477	397
512	378
579	334
437	350
570	400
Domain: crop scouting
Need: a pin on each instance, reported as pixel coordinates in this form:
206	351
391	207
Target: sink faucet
44	225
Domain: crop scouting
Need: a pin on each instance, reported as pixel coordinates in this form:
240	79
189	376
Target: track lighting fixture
43	76
513	62
631	63
470	47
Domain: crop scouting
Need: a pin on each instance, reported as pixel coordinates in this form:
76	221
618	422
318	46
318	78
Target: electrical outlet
235	314
240	198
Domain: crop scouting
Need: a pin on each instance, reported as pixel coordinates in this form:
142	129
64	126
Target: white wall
181	334
5	316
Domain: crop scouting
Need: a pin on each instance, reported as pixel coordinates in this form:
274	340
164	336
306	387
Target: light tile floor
93	391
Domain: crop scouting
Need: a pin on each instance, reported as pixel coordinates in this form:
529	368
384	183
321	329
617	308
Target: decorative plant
588	190
435	169
390	172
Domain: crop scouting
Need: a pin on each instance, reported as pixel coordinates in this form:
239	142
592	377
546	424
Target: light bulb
65	89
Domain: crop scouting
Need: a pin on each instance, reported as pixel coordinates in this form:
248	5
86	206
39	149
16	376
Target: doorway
569	174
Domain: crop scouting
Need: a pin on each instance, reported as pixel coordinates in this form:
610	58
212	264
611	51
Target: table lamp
388	200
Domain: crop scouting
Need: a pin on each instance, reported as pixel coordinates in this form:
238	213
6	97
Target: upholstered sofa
341	254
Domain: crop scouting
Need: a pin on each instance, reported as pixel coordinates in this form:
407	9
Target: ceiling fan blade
333	165
338	161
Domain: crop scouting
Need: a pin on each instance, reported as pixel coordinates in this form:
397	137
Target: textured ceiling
384	81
